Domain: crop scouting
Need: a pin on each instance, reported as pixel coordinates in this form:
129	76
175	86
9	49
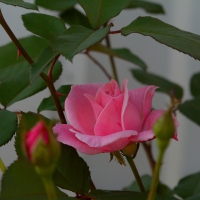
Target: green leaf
164	85
21	182
146	180
149	7
72	172
187	186
48	104
194	85
100	11
27	121
77	38
195	197
8	125
8	55
20	3
74	17
191	109
44	59
43	25
122	53
120	195
171	36
56	4
19	86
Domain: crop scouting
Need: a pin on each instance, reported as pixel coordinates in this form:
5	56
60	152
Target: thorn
19	53
58	94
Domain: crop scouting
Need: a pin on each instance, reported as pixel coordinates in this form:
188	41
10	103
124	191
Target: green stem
155	180
49	83
50	188
135	172
2	166
113	66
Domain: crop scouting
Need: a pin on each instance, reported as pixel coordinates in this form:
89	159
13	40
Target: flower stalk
135	172
2	166
50	188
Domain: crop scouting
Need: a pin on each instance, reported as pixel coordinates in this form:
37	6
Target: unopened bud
164	129
42	148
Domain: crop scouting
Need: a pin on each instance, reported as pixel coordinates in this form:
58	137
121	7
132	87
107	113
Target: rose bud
42	148
164	129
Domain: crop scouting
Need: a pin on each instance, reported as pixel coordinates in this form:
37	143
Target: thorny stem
99	65
30	61
50	188
51	68
49	83
2	166
135	172
115	76
147	148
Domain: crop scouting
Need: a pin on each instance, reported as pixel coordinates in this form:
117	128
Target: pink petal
152	118
107	92
144	136
125	102
78	108
109	120
121	138
142	99
97	109
65	136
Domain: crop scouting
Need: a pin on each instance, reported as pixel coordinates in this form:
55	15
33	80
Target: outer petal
109	120
67	137
147	132
78	108
142	99
100	141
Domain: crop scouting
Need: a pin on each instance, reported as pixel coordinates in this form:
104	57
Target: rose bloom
104	118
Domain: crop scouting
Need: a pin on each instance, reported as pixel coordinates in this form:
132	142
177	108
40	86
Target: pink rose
104	118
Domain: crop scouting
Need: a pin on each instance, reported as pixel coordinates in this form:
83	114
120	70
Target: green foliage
72	172
149	7
48	104
43	25
19	86
44	59
20	3
33	45
21	182
74	17
120	195
146	180
164	85
121	53
100	11
27	121
189	186
76	39
56	4
194	85
14	74
8	126
171	36
191	109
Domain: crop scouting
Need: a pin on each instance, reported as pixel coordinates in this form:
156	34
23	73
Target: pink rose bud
41	146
